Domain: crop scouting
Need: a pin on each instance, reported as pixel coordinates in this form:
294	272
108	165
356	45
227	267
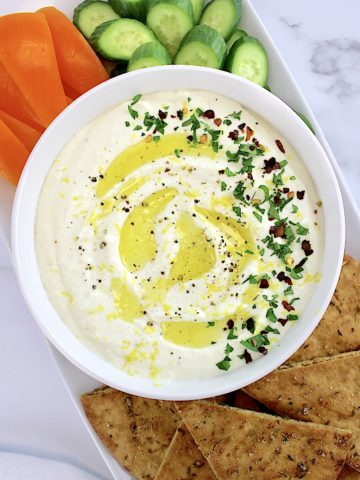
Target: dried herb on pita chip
136	430
183	459
339	329
323	391
240	444
348	473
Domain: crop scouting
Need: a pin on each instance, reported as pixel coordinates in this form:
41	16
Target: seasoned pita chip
183	459
323	391
348	473
339	329
240	444
242	400
136	430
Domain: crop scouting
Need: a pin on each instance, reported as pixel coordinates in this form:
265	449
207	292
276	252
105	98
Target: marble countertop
320	42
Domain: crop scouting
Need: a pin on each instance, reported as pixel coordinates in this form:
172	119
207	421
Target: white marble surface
320	41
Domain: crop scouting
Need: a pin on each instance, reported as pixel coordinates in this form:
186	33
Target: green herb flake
136	98
133	112
223	186
138	127
250	252
211	324
294	209
292	317
283	163
253	343
236	115
229	173
156	138
251	279
177	152
232	334
258	216
224	364
288	291
270	315
237	210
127	123
300	230
228	349
227	122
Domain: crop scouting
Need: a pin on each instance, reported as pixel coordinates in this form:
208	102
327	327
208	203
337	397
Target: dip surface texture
178	236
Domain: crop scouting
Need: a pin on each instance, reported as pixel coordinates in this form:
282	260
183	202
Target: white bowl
99	100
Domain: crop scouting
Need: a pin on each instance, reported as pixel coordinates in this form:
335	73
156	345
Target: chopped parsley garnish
127	123
236	115
232	334
251	279
227	122
237	210
270	315
250	252
177	152
156	138
253	343
138	127
223	186
288	291
133	112
136	98
300	230
292	317
224	364
211	324
294	208
229	173
228	348
258	216
239	192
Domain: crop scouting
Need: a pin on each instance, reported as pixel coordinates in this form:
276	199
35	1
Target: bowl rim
28	274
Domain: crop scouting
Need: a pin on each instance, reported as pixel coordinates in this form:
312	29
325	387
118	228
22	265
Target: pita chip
348	473
136	430
240	444
183	459
242	400
339	329
323	391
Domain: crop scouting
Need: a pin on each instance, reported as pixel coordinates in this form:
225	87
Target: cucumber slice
170	20
223	15
247	58
198	6
92	13
306	121
202	46
130	8
118	39
235	36
150	54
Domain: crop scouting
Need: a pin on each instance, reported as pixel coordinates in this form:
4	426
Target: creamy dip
178	235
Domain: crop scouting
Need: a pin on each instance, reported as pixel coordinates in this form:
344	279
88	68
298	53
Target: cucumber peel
248	59
202	46
118	39
150	54
222	15
92	13
130	8
170	20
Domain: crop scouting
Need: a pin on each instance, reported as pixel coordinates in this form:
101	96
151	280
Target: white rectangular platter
284	86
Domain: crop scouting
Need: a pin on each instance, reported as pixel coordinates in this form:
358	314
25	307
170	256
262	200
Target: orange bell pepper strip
27	52
79	66
13	154
27	135
13	101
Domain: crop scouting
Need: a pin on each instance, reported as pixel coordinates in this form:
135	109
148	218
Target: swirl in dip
183	237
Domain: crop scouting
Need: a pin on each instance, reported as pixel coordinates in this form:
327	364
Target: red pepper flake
276	199
218	122
256	142
284	278
190	138
279	230
249	133
287	306
162	115
234	135
241	126
180	114
272	229
283	321
271	165
221	172
262	350
250	324
306	246
247	356
280	146
250	176
264	283
300	195
230	324
286	190
208	114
